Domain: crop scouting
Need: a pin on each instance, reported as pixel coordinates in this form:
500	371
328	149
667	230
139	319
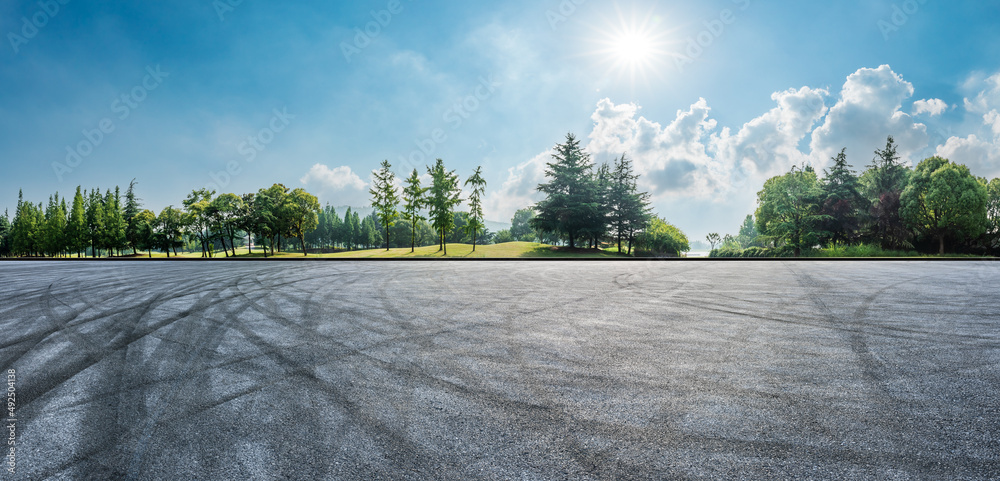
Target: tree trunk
941	243
302	237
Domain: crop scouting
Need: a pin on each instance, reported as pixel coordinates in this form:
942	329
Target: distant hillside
493	226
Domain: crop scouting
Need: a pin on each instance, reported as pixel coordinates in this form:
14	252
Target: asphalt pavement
502	370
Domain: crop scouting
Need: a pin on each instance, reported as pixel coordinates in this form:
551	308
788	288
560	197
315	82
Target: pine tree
842	200
572	201
358	238
54	231
25	227
413	196
114	227
444	196
5	228
95	221
347	231
476	224
133	206
385	199
886	179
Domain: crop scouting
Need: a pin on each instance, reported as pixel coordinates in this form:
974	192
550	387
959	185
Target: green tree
503	237
169	230
944	199
358	235
993	215
303	215
95	221
54	230
789	209
76	229
520	228
198	219
5	228
883	184
842	200
347	230
444	196
476	224
572	201
413	198
628	208
662	238
226	216
114	222
748	233
131	209
145	229
713	239
385	198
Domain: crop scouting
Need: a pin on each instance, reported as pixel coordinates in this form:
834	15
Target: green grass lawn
506	250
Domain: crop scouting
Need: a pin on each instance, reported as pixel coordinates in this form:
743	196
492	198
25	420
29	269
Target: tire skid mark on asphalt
208	341
92	351
119	346
874	372
393	442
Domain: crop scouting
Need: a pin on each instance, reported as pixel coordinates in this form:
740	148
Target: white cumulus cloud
933	107
338	178
867	112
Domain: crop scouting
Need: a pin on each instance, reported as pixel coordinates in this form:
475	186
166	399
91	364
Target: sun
633	48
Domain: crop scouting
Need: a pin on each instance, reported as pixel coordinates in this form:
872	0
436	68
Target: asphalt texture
503	370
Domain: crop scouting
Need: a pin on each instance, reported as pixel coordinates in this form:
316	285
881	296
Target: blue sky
709	98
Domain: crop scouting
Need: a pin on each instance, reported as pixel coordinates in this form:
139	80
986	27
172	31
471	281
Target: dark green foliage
789	209
842	202
883	184
661	239
628	209
944	200
130	212
573	202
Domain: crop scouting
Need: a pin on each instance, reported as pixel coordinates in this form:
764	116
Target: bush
661	239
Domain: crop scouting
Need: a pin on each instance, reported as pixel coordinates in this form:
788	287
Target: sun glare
634	48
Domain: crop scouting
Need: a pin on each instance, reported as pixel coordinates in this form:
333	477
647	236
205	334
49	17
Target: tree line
937	206
584	204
